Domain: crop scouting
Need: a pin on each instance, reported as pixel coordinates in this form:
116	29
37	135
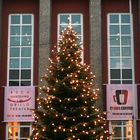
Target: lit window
18	131
121	130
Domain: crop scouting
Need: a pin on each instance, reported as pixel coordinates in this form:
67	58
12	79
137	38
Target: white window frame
32	48
122	126
18	126
120	46
73	24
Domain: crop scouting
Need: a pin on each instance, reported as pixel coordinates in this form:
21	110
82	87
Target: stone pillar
95	43
44	35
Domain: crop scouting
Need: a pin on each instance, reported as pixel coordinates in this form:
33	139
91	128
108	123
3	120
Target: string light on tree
67	96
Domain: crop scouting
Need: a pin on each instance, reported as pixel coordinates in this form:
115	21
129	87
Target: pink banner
120	101
18	104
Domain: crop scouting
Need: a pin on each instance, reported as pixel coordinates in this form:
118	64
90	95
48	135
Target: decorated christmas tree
66	104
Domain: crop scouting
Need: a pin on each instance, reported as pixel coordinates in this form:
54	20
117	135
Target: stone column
95	43
44	35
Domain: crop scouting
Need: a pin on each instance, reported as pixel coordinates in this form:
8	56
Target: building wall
119	6
95	37
9	7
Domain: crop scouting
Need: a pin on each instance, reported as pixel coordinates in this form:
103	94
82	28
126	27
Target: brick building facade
109	30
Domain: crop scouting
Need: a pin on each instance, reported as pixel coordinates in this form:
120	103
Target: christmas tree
66	103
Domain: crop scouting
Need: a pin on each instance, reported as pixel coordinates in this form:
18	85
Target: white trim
120	46
20	47
122	126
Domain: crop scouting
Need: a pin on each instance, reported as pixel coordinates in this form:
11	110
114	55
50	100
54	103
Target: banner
120	101
18	104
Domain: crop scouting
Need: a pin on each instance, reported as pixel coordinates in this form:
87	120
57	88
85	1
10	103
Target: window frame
122	126
20	58
120	47
81	30
18	126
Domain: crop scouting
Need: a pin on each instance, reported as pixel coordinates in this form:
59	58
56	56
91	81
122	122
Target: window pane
114	19
13	83
116	122
15	30
15	19
26	52
26	41
115	82
24	132
117	132
14	63
25	83
15	41
128	132
115	63
64	19
126	40
126	81
114	51
25	74
24	123
26	30
117	139
14	52
26	19
62	27
75	19
127	73
77	28
12	132
114	40
26	63
126	51
115	73
14	74
126	63
125	18
125	29
114	29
